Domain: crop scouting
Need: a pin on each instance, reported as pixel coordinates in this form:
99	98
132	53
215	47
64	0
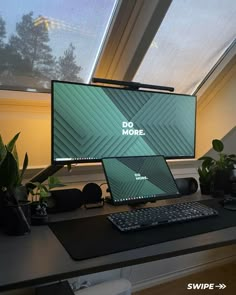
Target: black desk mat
95	236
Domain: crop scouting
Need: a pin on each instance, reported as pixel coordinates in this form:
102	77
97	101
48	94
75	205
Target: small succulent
40	192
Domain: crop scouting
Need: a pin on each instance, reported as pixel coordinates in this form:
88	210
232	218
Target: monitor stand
45	173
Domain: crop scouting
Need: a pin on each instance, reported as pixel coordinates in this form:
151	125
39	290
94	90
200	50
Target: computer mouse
229	203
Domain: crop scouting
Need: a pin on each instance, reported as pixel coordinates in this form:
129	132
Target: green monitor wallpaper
92	122
139	178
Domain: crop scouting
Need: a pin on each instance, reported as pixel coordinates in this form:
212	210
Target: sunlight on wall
216	110
31	117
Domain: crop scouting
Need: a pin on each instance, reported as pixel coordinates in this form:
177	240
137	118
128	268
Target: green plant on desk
10	175
12	192
211	169
40	193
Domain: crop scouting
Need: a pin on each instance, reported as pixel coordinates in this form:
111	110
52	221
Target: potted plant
12	192
214	173
40	194
205	177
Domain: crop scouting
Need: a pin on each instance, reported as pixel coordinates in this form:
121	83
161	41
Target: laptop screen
139	179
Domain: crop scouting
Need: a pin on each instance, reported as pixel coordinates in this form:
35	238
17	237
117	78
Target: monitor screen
139	179
91	122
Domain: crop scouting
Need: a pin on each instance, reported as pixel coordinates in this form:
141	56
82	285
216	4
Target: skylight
42	40
191	39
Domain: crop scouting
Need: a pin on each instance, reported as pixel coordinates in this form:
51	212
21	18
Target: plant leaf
9	173
54	182
217	145
232	157
15	154
3	149
25	165
205	158
12	142
208	163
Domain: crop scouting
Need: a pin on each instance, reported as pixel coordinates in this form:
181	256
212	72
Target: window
191	39
42	40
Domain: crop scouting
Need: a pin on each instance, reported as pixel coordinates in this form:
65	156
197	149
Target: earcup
187	185
65	200
92	193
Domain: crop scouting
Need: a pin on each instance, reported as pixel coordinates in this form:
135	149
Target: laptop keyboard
154	216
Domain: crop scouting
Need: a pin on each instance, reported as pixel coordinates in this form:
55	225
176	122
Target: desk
40	258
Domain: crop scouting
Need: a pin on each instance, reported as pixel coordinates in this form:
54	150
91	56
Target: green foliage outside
28	58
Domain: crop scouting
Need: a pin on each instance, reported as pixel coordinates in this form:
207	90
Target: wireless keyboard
154	216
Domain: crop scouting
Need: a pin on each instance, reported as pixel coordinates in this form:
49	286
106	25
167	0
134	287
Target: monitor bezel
89	160
147	199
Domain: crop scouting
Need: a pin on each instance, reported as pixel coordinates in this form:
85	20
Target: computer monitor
91	122
139	179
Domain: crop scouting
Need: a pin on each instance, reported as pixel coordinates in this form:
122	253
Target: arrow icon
221	286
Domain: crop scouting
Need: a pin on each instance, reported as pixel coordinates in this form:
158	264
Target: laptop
139	179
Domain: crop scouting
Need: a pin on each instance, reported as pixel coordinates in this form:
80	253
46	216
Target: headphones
70	199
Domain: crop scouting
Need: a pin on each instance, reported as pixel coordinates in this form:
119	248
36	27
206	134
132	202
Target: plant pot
39	215
205	189
221	182
17	218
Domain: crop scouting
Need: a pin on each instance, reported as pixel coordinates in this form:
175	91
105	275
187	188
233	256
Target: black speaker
64	200
92	193
187	185
70	199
